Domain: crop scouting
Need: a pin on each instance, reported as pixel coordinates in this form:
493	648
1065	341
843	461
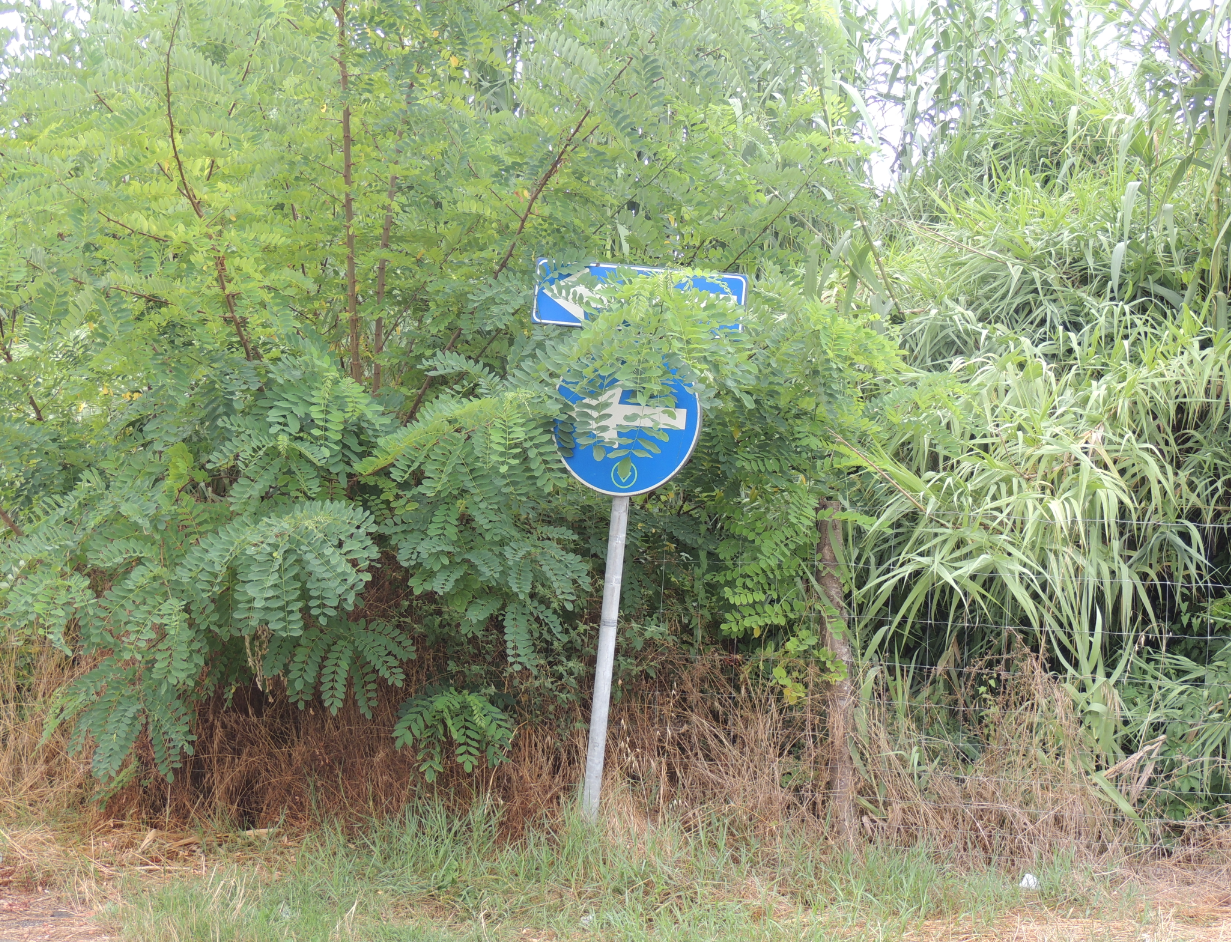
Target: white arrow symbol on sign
565	290
630	415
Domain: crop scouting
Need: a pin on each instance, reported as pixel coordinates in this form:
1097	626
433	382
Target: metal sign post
601	706
670	434
680	427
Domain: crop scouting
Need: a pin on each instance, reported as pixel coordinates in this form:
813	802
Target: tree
267	276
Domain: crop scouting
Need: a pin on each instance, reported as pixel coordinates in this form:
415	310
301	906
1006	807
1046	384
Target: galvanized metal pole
600	706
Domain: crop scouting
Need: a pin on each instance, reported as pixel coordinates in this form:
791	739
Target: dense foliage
274	411
1057	254
266	308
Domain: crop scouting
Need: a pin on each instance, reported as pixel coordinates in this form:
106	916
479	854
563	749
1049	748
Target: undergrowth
429	874
997	767
715	824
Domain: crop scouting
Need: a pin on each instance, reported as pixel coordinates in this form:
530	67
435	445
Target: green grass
428	876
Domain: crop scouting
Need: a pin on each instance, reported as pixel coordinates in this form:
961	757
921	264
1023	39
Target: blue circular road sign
630	449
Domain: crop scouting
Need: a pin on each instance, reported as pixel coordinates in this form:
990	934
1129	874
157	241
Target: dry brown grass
700	741
35	774
708	744
1027	792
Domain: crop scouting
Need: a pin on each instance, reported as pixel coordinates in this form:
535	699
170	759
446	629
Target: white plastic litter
1029	882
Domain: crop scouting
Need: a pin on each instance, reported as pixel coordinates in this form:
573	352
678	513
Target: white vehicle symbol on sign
630	415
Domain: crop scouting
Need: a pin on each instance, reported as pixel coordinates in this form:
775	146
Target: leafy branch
220	262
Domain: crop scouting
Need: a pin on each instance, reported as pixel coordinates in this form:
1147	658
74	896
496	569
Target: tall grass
1058	464
995	764
36	769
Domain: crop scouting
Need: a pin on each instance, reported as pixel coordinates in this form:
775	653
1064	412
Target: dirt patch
1176	905
1070	930
44	917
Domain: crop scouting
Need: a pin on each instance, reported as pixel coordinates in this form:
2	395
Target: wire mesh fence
972	724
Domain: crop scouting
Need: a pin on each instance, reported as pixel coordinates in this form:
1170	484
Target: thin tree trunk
1216	228
8	522
220	261
8	358
378	345
841	698
348	202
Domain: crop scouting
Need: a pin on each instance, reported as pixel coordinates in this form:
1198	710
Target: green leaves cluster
478	729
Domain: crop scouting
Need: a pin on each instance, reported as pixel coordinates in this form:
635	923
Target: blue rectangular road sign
559	299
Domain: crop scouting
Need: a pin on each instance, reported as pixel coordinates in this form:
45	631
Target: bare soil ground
45	917
1177	906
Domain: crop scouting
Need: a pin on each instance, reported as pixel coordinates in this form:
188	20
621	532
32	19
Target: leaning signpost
670	433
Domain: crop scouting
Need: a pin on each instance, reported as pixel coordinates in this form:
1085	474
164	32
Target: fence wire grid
994	736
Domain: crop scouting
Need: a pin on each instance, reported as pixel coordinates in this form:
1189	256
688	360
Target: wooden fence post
840	702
